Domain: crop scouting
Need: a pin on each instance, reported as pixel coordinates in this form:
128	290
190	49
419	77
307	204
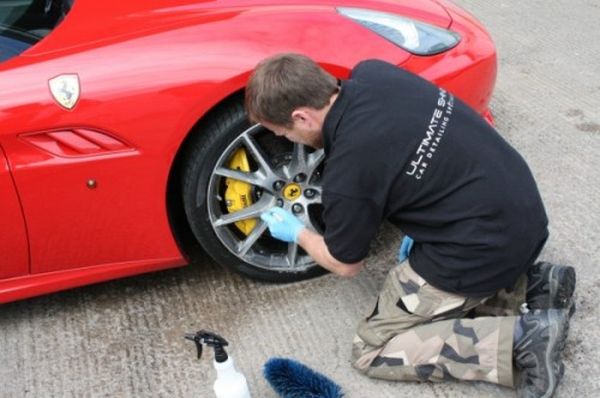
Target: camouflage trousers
420	333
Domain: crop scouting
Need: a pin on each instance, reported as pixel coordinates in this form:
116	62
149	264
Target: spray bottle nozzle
212	340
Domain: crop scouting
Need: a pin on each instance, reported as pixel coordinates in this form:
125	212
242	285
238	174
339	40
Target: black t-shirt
399	148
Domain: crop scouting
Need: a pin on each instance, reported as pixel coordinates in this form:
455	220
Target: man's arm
315	246
284	226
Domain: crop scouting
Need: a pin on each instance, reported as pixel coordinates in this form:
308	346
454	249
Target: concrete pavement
125	338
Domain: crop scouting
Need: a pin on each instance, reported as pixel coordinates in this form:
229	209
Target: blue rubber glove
407	244
282	224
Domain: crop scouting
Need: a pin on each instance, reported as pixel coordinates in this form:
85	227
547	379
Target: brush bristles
291	379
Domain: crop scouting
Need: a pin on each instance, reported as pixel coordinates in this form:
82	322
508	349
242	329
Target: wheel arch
202	116
180	227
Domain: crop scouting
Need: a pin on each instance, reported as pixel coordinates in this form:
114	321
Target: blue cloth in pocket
405	247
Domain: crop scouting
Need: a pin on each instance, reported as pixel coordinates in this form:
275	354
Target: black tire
207	145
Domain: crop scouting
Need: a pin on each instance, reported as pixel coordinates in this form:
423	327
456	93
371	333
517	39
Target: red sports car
123	136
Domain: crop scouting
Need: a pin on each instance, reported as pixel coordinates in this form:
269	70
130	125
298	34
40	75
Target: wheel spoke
313	161
256	233
258	155
253	211
298	162
292	254
250	178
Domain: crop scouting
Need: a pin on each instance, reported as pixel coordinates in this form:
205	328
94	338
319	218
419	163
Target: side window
25	22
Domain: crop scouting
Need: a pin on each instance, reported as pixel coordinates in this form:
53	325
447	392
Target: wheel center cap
292	191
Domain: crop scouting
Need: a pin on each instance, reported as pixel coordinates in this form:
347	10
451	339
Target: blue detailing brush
291	379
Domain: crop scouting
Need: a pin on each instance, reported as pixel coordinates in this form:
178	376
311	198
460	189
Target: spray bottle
230	383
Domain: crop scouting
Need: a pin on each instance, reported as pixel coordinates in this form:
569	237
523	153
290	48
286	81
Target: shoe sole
561	294
554	329
558	331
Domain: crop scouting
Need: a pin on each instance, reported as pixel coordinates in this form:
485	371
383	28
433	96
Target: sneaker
537	352
551	286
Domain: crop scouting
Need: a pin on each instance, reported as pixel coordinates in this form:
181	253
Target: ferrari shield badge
65	90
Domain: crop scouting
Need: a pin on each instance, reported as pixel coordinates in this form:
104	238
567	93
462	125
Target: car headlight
413	36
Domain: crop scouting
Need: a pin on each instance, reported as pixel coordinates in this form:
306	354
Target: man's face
305	130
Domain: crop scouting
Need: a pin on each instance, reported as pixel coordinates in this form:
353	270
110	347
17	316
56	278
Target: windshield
25	22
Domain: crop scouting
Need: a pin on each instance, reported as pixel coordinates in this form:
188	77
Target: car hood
92	22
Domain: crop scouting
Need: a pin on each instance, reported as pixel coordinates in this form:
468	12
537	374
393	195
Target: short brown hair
285	82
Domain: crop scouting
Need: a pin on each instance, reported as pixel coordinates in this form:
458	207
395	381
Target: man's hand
282	224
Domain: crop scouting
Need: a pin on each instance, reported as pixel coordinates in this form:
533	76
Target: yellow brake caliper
238	194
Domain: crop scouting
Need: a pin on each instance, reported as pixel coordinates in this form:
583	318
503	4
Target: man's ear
299	115
302	116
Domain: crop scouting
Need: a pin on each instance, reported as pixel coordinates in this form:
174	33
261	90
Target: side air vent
76	142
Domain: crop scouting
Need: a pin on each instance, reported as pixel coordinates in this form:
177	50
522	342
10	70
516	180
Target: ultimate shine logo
433	136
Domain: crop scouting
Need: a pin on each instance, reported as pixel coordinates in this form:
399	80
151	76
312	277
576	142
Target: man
399	148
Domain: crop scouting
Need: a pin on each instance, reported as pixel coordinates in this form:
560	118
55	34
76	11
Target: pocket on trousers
422	299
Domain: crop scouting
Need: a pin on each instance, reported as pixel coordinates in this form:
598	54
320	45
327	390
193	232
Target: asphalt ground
125	338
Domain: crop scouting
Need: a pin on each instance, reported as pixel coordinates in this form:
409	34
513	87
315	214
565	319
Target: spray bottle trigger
198	340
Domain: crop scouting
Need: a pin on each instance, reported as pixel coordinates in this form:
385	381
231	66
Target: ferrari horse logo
292	191
65	90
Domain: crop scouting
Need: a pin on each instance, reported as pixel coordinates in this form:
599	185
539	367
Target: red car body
85	193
